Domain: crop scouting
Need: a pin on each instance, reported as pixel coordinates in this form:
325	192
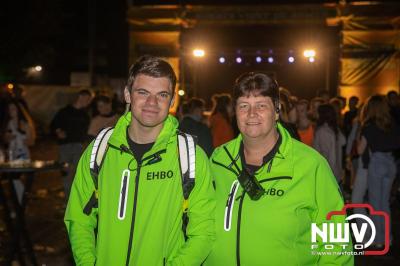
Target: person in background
191	123
287	109
181	110
18	135
220	119
18	95
337	104
305	127
329	140
356	163
19	132
106	117
394	104
380	134
270	187
70	125
313	112
350	115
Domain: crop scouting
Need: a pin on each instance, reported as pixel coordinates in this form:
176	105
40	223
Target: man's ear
127	95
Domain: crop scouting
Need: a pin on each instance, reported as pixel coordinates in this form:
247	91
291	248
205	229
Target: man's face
150	100
256	116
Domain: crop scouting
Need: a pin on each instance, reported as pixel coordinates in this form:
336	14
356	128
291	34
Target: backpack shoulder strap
99	149
187	161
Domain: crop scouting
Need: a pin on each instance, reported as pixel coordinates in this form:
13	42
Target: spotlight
10	86
239	60
309	53
270	59
38	68
311	59
181	92
221	59
291	59
258	59
198	53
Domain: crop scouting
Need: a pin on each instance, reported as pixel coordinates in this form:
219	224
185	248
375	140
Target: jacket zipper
156	157
229	205
133	214
238	229
123	194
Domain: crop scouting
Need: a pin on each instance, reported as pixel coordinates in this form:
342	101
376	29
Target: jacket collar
282	160
167	134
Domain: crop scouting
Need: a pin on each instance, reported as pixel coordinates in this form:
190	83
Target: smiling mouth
149	111
253	123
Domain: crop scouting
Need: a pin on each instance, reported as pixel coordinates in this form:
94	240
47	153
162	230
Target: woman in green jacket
270	189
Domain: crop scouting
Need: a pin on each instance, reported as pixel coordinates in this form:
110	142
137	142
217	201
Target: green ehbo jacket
300	189
139	214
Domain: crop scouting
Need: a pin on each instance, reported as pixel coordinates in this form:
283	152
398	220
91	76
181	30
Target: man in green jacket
140	196
270	189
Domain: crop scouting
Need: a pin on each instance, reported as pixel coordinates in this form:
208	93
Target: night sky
55	35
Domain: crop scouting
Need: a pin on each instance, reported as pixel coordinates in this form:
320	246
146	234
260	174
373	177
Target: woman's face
12	110
256	116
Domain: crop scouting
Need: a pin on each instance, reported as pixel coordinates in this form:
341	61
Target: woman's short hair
256	83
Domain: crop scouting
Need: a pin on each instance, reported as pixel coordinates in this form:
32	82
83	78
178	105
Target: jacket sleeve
200	229
328	198
80	227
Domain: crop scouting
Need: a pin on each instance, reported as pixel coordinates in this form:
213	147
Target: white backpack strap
99	148
187	160
96	158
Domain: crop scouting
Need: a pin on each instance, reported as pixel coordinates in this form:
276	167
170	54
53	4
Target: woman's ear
127	95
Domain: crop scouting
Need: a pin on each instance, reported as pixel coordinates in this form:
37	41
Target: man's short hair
151	66
256	83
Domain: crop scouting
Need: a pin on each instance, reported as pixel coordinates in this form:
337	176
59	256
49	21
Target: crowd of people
259	139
